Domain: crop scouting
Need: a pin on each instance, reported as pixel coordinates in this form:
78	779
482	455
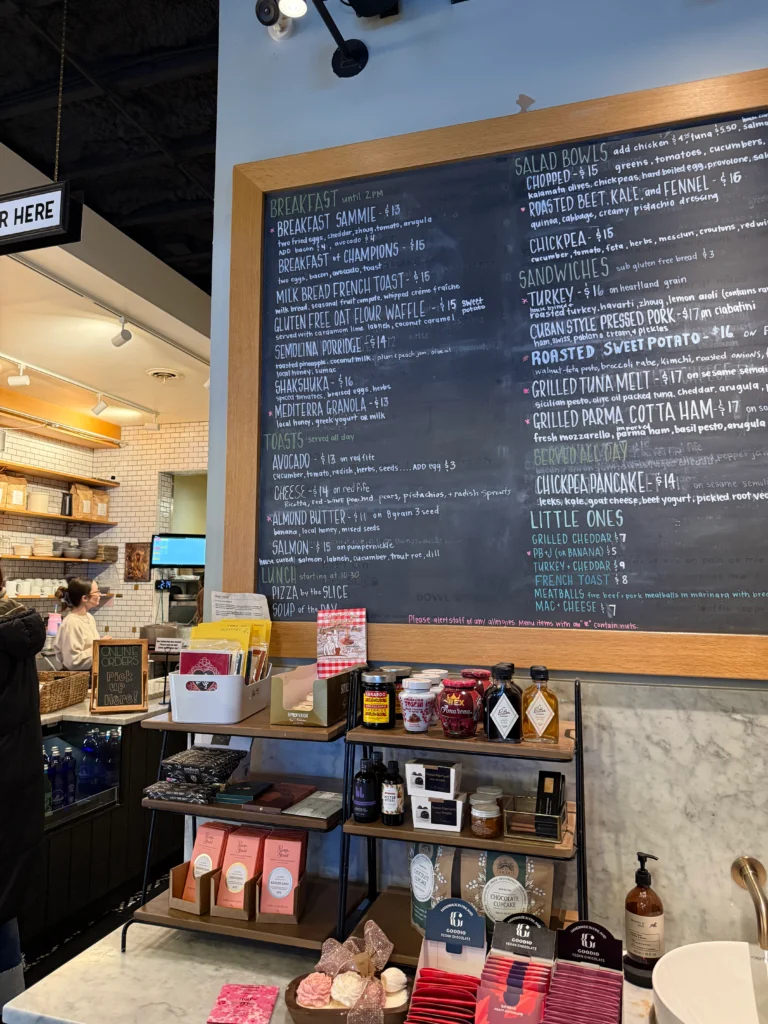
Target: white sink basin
712	983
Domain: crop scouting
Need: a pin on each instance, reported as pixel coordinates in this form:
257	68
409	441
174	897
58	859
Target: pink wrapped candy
314	992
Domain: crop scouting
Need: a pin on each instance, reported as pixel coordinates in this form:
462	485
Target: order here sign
38	217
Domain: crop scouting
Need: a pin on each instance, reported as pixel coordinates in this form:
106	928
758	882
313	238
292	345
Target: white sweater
74	642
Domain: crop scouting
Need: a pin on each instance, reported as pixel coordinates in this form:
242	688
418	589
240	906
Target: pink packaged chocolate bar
244	1004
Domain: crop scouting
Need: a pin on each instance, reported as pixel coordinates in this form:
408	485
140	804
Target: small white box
439	815
438	779
225	703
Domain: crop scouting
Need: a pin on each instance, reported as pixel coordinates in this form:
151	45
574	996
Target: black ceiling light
351	55
370	8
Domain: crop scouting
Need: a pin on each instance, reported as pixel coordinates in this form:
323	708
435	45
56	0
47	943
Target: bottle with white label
393	796
503	706
644	922
541	715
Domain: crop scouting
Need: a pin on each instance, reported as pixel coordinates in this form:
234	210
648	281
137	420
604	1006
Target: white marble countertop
165	976
638	1005
174	975
81	713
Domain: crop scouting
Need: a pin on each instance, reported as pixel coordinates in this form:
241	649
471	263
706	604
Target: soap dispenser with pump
644	919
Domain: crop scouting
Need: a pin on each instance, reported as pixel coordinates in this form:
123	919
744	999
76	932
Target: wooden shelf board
228	812
317	924
392	913
57	516
406	833
435	739
28	597
256	725
53	474
35	558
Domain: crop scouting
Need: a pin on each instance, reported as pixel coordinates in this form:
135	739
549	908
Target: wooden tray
300	1015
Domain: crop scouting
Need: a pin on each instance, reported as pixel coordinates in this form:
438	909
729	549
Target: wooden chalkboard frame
726	656
104	710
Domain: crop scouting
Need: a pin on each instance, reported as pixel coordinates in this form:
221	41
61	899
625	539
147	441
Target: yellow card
235	629
261	629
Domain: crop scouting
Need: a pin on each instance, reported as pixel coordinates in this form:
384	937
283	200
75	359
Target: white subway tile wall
141	506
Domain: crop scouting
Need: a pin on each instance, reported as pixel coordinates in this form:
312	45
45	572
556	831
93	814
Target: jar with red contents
481	676
460	708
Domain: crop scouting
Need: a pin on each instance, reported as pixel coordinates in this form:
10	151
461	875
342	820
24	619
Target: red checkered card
341	640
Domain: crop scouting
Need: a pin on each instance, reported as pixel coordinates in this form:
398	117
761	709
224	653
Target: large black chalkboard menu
525	390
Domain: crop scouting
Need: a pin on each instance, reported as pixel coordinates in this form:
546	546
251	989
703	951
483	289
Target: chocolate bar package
201	764
182	792
431	868
501	884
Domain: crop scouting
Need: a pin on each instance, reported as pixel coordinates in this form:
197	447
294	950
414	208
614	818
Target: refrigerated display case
82	762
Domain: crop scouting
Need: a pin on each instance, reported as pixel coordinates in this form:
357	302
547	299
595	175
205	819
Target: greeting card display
341	640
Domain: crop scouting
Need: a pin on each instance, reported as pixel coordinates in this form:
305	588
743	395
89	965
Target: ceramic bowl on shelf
71	553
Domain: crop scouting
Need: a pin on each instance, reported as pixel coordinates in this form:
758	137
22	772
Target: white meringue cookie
393	980
347	988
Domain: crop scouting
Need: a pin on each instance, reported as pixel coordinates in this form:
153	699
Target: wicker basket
61	689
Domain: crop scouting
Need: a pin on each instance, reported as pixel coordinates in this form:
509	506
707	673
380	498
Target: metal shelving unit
382	907
319	917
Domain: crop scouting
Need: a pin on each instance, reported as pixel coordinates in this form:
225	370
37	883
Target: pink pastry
314	992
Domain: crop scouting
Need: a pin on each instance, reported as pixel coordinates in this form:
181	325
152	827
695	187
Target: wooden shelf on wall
249	815
55	474
435	739
56	516
256	725
316	925
36	558
406	833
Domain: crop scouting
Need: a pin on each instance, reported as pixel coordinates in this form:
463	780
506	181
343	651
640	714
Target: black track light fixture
351	55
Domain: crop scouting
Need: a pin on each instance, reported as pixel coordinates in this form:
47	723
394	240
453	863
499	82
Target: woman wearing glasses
74	641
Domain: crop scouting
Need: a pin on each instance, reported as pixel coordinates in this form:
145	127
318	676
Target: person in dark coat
22	811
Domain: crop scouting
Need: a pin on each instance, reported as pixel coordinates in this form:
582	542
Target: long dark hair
72	595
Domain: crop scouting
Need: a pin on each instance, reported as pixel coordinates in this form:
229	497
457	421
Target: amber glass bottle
541	715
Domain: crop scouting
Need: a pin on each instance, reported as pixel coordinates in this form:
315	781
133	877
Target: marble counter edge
80	713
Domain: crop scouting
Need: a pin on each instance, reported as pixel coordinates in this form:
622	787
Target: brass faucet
750	875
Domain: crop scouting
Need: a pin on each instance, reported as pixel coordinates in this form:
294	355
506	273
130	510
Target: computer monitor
172	550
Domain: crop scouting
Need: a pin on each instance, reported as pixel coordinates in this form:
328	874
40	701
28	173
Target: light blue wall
439	64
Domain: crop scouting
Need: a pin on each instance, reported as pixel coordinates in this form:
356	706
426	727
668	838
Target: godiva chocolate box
300	698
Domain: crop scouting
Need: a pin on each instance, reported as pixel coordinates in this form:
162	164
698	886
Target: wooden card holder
299	901
202	901
250	899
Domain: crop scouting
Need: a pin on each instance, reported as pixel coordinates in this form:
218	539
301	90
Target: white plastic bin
230	701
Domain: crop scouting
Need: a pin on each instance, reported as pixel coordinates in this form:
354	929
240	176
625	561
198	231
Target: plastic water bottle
69	768
47	791
56	777
85	771
111	760
98	770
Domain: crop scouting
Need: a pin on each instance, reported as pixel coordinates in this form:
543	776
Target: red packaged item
460	708
204	663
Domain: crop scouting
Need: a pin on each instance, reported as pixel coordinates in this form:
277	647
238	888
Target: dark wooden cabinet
88	865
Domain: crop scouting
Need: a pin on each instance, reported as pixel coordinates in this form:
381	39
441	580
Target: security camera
268	12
